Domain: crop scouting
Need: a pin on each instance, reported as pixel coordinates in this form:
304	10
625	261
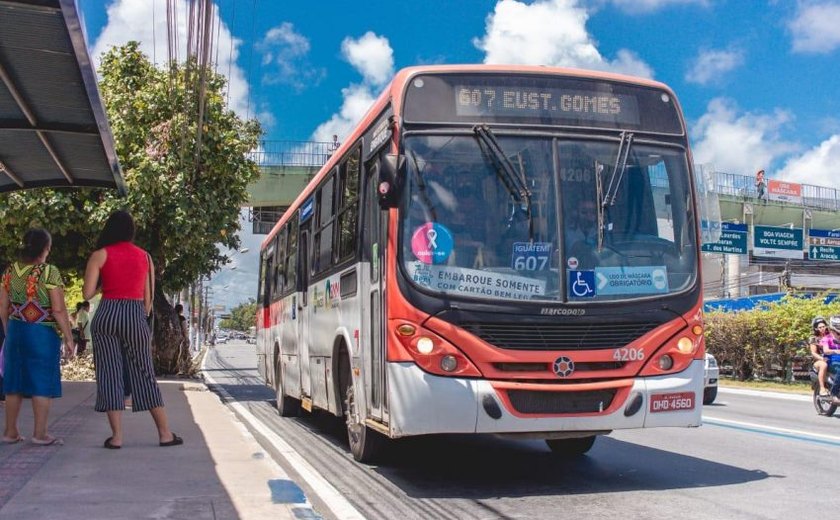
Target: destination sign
823	244
823	237
823	253
732	241
551	98
778	242
476	100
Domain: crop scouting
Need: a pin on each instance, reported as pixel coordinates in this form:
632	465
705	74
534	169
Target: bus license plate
672	402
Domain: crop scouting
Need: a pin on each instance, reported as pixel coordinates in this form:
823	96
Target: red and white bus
494	249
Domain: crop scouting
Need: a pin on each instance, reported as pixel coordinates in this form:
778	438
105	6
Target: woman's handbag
150	319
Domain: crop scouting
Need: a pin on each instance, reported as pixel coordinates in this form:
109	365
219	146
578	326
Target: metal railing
735	185
293	153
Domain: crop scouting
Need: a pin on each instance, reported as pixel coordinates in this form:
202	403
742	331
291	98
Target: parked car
710	380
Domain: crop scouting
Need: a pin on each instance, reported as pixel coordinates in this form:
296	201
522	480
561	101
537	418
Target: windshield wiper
513	182
624	145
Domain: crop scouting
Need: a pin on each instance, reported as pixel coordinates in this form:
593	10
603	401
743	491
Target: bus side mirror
390	167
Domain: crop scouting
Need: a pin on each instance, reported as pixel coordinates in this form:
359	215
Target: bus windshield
602	220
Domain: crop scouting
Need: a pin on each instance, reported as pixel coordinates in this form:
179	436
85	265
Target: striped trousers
122	345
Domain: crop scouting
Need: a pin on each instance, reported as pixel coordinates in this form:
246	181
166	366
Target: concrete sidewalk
220	472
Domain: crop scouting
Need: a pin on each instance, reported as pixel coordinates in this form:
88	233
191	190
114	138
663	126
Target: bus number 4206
628	354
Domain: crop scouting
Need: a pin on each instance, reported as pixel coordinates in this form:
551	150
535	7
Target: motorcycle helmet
834	323
816	321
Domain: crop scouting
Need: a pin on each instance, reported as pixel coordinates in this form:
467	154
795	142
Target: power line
230	53
250	58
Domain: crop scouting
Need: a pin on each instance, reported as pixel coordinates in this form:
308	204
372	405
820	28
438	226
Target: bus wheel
365	444
286	406
571	447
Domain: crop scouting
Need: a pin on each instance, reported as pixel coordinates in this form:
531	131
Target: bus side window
262	276
322	239
291	255
280	263
347	208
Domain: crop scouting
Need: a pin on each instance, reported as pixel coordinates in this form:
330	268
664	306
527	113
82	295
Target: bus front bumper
422	403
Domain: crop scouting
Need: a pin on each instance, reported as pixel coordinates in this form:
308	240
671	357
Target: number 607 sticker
628	354
531	256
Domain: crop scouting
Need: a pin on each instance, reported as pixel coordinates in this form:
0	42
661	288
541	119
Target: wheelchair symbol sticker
582	284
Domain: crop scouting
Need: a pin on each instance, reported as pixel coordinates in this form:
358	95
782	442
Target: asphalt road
756	456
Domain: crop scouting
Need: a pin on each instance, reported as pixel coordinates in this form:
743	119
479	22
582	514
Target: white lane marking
762	427
764	393
339	505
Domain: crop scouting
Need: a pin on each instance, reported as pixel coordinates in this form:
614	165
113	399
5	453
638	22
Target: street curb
322	493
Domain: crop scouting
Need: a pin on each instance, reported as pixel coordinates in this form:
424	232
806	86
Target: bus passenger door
304	308
373	327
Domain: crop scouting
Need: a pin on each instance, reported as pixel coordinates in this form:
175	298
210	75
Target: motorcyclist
819	328
830	344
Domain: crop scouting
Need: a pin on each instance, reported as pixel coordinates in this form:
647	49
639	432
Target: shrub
758	341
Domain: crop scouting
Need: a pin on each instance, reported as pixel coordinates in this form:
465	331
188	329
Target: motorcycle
824	404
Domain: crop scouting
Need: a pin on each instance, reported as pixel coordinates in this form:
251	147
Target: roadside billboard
778	242
732	241
823	244
782	191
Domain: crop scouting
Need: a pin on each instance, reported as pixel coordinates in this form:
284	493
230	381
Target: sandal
10	440
176	441
111	446
49	441
824	392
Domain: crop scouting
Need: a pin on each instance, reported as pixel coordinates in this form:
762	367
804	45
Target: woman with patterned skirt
31	307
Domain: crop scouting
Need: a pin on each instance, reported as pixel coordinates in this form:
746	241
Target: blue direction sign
733	240
823	244
779	242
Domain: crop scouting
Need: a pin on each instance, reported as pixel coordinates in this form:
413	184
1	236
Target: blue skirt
32	360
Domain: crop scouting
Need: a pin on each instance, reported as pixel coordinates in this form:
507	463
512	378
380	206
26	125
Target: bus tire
571	447
366	445
287	406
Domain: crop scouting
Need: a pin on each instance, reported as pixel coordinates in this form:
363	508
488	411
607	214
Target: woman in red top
120	331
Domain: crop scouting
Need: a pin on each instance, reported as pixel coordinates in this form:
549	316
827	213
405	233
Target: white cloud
816	166
710	65
652	5
373	57
145	21
549	32
286	49
815	27
739	144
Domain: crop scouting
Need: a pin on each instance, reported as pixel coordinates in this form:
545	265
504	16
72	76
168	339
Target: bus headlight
666	362
685	345
448	363
425	345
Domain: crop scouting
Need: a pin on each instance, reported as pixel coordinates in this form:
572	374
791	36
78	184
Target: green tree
242	317
766	339
186	182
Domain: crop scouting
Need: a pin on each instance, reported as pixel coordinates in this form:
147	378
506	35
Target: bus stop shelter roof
53	128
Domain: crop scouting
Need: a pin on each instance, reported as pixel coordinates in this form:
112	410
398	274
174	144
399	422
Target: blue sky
757	79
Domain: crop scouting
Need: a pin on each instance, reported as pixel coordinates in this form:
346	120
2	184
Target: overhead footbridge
810	261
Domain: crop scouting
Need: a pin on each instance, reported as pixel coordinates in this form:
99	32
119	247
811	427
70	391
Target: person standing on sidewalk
83	326
182	326
120	329
31	306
